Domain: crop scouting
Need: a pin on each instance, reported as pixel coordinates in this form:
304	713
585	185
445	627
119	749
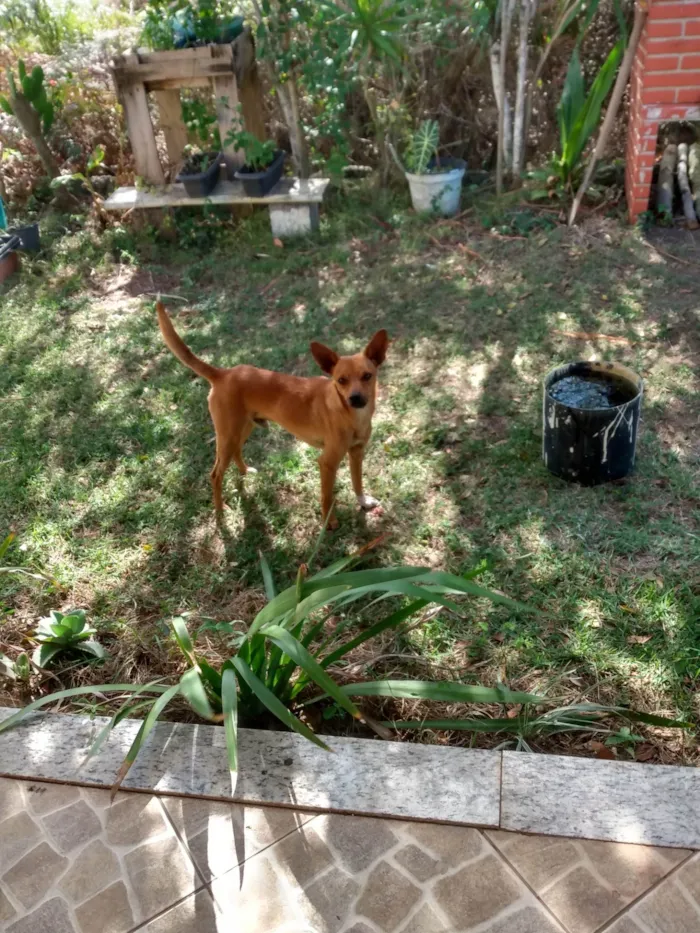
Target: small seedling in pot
196	162
258	155
65	633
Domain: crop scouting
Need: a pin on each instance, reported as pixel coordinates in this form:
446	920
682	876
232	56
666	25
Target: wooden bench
293	203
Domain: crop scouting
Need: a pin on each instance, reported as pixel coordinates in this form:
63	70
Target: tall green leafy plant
579	112
285	650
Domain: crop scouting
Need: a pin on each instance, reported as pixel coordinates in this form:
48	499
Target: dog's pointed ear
377	347
324	356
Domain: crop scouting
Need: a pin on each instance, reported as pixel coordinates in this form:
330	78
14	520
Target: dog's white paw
251	469
367	502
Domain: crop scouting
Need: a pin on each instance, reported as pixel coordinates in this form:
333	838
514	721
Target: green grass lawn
106	444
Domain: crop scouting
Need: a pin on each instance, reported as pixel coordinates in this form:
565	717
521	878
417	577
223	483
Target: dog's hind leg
232	431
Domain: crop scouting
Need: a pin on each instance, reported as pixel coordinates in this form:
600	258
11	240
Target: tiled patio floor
71	863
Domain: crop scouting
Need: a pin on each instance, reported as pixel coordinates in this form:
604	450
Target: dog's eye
342	381
366	377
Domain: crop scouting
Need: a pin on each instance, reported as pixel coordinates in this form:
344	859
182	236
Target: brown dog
334	414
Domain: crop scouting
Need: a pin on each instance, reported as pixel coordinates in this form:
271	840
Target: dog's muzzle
357	400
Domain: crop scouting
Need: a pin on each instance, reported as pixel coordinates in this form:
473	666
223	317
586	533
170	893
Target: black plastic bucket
29	237
592	445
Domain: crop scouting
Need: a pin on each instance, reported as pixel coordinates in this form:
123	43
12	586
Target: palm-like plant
284	651
579	113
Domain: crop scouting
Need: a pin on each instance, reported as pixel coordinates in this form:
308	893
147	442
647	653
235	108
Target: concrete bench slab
293	203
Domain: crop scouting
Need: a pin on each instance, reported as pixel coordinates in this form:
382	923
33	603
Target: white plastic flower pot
438	192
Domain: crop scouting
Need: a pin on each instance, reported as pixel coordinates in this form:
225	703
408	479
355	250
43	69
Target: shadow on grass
116	445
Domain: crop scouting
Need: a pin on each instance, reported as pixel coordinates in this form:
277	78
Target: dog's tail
180	348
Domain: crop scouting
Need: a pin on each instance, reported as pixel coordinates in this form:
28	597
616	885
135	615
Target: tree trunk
3	189
287	92
694	174
506	14
289	100
640	18
684	184
664	194
527	11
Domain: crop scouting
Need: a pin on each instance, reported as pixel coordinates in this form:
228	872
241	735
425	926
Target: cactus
28	102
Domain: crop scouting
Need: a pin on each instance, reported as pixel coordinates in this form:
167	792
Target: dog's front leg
328	463
356	455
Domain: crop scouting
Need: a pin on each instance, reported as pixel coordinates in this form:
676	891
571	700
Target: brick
647	160
690	62
661	30
663	63
688	95
659	95
639	206
662	11
692	28
679	46
674	80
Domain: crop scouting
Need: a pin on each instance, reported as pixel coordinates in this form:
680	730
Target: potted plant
435	181
264	164
200	172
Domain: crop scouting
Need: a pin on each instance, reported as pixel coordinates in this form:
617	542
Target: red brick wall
665	85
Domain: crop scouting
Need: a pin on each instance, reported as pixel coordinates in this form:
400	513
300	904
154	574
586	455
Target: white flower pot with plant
435	181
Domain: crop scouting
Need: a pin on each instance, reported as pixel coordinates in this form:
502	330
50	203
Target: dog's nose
357	400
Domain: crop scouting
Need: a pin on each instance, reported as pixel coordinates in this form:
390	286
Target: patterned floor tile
220	836
344	874
672	907
585	884
70	861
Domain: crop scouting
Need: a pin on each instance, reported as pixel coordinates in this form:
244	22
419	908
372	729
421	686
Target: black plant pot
592	445
28	237
201	184
257	184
